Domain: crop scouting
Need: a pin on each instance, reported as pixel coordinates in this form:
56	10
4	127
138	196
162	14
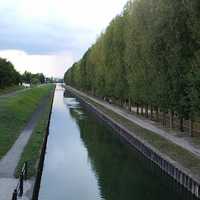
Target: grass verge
16	111
32	150
10	89
185	158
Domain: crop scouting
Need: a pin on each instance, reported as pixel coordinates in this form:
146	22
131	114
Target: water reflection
85	160
123	173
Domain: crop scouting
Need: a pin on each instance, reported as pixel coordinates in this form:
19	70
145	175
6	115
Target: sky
48	36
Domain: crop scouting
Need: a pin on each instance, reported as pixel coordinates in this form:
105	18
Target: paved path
9	162
7	186
147	124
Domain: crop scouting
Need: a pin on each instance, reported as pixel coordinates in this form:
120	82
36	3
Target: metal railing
19	190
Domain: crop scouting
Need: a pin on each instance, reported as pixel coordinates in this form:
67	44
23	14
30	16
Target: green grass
10	89
175	152
16	111
32	150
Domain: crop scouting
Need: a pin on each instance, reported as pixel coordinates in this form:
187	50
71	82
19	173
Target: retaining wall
36	188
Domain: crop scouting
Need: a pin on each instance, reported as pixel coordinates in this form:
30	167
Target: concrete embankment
36	188
174	169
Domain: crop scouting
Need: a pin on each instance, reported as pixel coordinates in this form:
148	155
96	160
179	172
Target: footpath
9	162
183	142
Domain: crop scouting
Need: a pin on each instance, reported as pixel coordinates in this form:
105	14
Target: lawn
32	150
10	89
16	111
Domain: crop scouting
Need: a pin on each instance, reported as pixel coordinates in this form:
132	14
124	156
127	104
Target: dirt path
184	142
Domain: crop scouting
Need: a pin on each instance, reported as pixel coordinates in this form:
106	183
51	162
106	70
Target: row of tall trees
149	55
8	75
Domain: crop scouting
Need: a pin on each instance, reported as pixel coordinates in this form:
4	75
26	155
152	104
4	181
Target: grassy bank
32	150
188	160
16	111
10	89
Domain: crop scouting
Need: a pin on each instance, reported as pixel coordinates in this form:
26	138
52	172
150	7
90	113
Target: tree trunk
171	119
181	124
151	112
164	118
121	103
146	111
129	104
191	127
142	111
157	114
137	108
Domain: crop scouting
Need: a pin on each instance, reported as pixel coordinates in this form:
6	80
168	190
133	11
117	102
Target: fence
19	190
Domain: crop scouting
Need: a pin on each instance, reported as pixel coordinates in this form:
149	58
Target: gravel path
147	124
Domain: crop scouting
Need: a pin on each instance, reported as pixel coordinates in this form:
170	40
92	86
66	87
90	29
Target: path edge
166	164
37	183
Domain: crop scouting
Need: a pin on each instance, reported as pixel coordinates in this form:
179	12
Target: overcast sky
49	35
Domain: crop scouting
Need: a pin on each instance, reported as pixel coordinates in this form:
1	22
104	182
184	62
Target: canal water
86	160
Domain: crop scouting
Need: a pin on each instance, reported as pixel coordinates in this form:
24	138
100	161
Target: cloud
51	65
47	29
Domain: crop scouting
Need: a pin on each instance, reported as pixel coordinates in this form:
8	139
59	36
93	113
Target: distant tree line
8	75
30	78
148	56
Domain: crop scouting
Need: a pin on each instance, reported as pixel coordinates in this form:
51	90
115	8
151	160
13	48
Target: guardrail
19	190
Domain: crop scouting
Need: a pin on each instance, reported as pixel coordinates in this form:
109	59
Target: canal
86	160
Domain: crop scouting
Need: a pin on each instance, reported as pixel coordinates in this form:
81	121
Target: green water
86	160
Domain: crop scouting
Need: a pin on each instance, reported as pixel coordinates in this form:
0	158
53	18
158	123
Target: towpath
184	142
9	162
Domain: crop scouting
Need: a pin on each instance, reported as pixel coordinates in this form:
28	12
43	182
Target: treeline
30	78
148	56
8	75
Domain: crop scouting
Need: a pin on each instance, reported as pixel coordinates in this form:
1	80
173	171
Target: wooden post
26	170
21	185
14	196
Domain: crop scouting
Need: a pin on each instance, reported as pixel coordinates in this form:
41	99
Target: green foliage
15	112
8	75
30	78
32	150
149	53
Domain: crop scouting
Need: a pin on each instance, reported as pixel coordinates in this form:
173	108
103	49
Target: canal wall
181	175
36	188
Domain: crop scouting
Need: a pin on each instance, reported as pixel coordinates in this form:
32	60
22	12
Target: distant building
26	85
